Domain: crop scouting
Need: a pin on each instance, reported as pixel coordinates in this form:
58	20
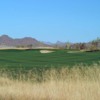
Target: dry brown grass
77	83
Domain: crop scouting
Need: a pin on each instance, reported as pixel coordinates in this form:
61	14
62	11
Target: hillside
8	41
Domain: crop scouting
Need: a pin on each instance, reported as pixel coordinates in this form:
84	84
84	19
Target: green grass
24	61
33	58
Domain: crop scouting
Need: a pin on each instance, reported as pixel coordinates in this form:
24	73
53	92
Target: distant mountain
60	44
8	41
48	43
57	44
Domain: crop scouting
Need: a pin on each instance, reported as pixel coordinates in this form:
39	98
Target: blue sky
51	20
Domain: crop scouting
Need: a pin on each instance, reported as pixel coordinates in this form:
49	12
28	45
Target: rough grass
77	83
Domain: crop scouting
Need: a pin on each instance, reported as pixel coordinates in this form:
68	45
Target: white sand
46	51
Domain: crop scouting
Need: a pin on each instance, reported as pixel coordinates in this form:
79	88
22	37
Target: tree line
92	45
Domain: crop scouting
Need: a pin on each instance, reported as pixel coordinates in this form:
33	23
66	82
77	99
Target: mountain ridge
8	41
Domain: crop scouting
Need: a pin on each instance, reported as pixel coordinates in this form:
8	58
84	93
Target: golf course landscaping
49	75
37	58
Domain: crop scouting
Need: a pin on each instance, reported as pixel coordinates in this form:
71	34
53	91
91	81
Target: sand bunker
46	51
74	51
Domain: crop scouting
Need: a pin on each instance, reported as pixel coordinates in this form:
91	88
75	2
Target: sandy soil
46	51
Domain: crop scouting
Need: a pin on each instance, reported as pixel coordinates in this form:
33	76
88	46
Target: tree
30	46
68	45
94	46
82	46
